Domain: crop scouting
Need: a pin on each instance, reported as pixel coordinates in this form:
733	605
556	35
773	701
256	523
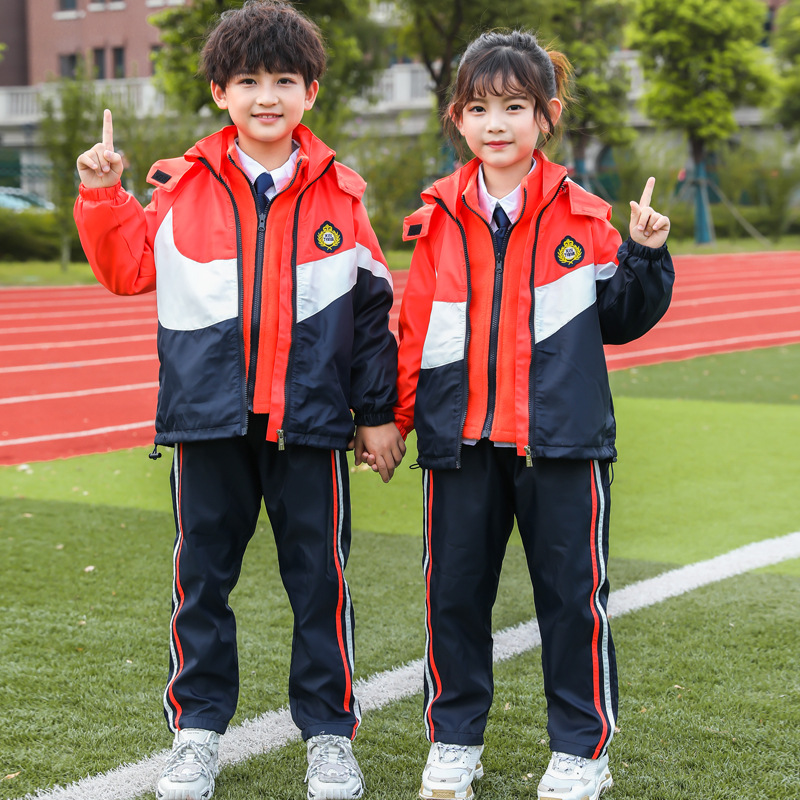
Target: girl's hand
101	167
648	227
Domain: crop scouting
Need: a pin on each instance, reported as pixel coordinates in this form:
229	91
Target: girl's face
502	131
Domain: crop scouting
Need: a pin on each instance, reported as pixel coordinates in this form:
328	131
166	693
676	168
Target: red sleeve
415	313
113	229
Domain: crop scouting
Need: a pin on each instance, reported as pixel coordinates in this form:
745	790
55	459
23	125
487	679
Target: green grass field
710	681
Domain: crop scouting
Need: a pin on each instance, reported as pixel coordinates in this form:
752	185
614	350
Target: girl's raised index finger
108	131
647	194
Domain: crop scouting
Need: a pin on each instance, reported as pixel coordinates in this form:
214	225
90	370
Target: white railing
400	87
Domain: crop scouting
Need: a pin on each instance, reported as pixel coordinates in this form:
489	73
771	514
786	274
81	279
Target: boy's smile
266	107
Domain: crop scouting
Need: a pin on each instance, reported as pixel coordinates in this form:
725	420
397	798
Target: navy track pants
562	512
217	491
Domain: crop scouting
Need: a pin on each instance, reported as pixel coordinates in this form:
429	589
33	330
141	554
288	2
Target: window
67	5
99	55
118	55
68	65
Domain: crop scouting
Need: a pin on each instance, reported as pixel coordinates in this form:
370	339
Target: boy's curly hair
263	34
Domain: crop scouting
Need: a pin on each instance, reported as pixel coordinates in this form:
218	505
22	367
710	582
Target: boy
273	302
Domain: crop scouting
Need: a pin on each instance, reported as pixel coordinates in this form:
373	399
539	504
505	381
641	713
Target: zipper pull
281	440
528	456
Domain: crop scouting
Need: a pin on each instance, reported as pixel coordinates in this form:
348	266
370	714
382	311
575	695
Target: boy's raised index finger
108	130
647	194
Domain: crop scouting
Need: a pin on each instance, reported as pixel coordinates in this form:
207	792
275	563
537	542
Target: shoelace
566	763
201	756
451	753
344	757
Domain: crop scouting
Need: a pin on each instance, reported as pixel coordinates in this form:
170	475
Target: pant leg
307	496
216	501
468	519
562	509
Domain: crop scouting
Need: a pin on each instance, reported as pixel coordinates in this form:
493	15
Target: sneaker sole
450	794
607	783
332	794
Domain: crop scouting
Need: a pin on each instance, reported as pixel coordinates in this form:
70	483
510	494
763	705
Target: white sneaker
575	778
449	772
333	772
191	767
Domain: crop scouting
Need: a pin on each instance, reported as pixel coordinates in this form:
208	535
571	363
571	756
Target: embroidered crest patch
569	253
328	238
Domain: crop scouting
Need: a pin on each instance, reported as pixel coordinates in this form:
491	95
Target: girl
518	280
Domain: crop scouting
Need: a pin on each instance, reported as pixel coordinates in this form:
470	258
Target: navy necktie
503	223
263	182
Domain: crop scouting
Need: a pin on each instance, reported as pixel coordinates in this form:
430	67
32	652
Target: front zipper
255	311
529	454
497	301
240	283
294	294
465	369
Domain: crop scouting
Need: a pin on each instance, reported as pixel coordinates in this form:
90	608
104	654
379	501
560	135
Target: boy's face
266	107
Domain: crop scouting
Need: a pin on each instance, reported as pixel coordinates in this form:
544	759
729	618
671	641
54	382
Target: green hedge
33	236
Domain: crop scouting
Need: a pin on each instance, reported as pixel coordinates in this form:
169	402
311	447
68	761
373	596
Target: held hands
648	227
380	447
100	167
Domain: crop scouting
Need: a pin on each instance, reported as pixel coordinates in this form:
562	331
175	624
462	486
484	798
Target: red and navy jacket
284	313
507	343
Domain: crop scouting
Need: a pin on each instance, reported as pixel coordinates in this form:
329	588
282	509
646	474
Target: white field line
275	728
139	337
34	398
95	362
749	342
82	326
50	437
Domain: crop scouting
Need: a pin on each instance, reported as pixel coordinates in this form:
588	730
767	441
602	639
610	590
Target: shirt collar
280	176
510	203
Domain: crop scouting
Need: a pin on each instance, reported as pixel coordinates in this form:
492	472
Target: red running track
79	371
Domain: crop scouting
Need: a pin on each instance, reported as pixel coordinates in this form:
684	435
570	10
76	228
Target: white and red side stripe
601	668
171	705
432	680
344	628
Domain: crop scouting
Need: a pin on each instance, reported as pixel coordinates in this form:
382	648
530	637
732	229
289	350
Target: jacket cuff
642	251
115	192
375	418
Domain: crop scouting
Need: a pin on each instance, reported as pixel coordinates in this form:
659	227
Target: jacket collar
216	148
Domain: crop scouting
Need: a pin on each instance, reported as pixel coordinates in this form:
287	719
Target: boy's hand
381	447
101	167
648	227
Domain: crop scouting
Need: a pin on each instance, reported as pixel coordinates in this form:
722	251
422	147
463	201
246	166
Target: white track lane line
95	362
50	437
737	343
84	326
139	337
35	398
275	728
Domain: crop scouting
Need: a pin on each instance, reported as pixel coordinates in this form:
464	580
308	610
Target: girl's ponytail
563	74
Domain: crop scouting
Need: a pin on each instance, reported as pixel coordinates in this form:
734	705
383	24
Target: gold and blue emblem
328	237
569	253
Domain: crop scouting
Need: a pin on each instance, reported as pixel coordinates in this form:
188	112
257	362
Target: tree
439	32
786	43
354	44
589	32
71	113
701	60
